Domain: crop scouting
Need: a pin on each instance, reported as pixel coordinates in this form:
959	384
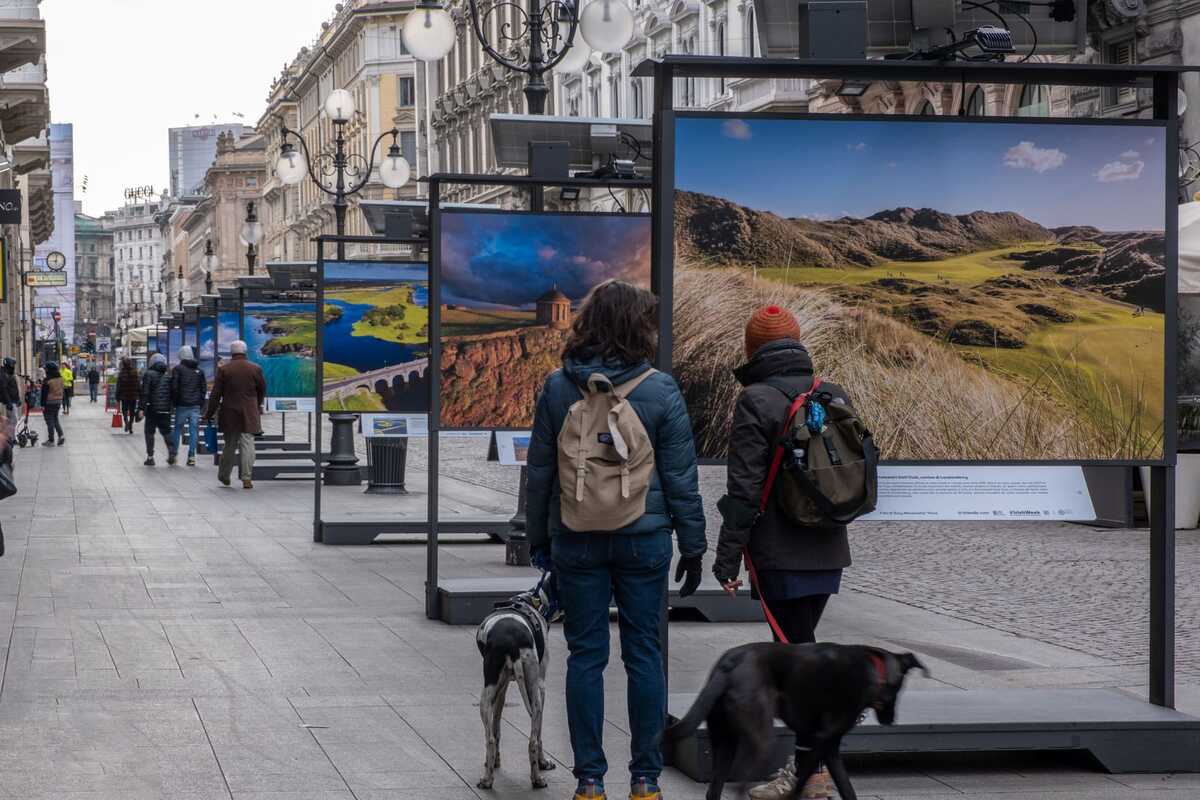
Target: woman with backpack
794	569
612	471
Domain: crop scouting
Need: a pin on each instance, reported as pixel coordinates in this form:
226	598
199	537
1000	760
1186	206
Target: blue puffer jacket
674	499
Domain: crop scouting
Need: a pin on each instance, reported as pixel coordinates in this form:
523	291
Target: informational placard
983	493
386	426
103	344
291	404
44	279
512	447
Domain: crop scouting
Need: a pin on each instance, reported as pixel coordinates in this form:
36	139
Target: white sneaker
780	786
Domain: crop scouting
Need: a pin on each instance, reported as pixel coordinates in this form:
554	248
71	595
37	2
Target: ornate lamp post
540	38
251	235
210	263
349	173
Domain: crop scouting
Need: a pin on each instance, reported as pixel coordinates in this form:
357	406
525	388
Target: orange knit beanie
768	325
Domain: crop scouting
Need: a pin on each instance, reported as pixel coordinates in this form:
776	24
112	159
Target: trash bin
385	465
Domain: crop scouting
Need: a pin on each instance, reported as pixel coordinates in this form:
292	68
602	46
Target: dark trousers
50	414
94	390
157	422
797	616
68	393
631	569
128	412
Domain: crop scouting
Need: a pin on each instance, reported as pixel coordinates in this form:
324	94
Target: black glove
730	546
688	571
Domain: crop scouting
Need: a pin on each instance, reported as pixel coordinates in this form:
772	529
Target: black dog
818	690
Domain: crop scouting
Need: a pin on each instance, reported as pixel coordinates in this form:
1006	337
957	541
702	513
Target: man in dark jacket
188	387
154	401
797	568
236	401
93	379
10	393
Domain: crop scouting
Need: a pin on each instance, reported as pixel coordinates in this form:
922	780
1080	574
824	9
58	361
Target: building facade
95	271
62	235
137	258
361	50
192	150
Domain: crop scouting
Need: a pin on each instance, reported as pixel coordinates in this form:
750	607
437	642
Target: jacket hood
158	359
783	357
616	371
158	366
189	362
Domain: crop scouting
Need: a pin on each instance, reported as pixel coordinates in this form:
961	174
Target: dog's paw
546	766
484	783
540	783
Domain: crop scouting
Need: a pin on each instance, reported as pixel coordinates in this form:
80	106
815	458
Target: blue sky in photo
375	271
1106	176
509	260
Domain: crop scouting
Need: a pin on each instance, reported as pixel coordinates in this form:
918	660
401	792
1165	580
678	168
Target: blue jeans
592	568
191	416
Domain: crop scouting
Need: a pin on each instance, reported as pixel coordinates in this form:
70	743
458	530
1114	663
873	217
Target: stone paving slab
167	637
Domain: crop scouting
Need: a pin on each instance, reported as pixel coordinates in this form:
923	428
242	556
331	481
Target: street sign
10	206
45	279
73	350
103	344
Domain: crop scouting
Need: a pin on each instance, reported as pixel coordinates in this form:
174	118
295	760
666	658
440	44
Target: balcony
24	103
766	94
22	41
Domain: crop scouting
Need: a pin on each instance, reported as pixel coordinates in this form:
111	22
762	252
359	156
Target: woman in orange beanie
796	568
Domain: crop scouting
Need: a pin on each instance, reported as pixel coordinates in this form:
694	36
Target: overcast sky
123	71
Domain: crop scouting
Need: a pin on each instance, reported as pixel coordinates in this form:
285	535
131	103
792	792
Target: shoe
48	443
819	786
780	786
644	789
191	462
590	789
149	462
225	481
247	483
171	459
62	441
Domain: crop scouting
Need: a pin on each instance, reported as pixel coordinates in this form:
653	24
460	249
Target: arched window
927	110
751	36
1034	101
975	104
635	96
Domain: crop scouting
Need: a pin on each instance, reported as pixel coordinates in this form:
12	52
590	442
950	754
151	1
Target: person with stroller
53	393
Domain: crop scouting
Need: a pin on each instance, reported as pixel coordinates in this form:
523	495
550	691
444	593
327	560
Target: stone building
62	234
360	49
95	287
137	258
554	309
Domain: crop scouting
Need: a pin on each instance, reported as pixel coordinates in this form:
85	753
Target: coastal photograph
174	342
375	336
282	339
511	284
991	291
228	330
207	354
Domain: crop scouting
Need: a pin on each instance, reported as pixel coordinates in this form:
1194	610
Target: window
927	110
408	146
976	105
408	92
1034	101
252	182
615	89
751	38
1122	52
635	94
92	309
721	52
594	98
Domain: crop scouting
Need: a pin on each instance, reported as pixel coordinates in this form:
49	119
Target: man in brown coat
236	401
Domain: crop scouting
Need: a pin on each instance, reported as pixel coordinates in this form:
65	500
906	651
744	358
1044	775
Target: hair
52	370
237	348
617	321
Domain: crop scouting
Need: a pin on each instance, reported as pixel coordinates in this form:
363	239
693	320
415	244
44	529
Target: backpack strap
622	393
798	400
625	389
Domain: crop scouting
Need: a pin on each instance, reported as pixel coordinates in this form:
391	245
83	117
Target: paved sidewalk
171	638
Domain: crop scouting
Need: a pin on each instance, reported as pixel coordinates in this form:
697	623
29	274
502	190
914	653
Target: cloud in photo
858	148
1129	155
737	129
1116	171
1027	155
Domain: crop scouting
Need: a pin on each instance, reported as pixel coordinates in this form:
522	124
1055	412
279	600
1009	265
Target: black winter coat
188	385
775	542
155	394
10	393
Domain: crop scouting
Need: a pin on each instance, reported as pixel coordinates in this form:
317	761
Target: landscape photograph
375	336
281	337
174	342
228	331
511	284
984	291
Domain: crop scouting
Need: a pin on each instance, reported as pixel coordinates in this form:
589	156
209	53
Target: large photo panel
375	336
511	283
281	337
984	291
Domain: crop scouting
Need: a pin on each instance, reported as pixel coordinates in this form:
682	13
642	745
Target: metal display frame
991	731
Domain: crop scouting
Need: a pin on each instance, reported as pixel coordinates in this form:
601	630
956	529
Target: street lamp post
252	232
350	173
540	38
210	263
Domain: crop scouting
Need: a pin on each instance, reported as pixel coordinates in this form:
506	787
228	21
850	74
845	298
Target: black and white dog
512	641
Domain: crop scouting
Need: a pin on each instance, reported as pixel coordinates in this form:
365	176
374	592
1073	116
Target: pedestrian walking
154	403
607	420
188	387
52	400
93	379
796	569
10	392
236	401
68	379
128	392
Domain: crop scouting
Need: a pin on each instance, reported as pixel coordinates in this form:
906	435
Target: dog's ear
909	662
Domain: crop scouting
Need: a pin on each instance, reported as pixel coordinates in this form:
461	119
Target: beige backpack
605	458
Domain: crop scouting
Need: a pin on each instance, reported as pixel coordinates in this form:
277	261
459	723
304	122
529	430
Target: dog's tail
718	682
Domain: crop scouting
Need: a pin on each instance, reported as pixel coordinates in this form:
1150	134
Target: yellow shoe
590	790
644	789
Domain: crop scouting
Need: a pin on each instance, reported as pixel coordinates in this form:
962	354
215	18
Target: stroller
26	437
